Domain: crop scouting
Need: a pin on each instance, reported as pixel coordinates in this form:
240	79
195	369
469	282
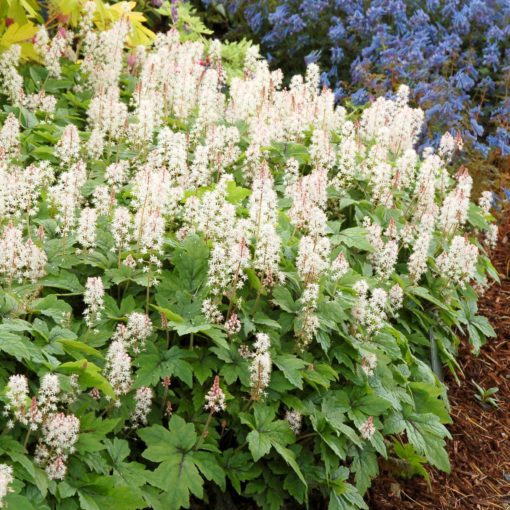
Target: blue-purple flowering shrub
454	54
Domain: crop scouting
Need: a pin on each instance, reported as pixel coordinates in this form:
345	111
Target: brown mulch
480	448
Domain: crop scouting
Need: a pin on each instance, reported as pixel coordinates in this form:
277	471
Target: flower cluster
370	310
6	479
58	431
49	394
52	50
294	418
59	435
459	262
17	398
20	259
369	364
12	85
21	188
118	369
93	298
260	366
215	398
367	429
135	333
143	403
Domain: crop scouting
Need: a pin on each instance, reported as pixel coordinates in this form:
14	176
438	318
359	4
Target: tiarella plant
221	292
454	55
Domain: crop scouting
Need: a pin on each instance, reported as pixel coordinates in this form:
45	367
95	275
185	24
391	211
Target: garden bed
212	278
480	449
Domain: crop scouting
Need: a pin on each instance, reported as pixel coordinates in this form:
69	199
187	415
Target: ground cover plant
453	54
218	289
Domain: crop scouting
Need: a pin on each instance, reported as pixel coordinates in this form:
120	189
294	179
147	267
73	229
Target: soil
480	448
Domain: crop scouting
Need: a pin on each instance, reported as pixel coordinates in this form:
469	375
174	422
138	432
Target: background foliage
453	54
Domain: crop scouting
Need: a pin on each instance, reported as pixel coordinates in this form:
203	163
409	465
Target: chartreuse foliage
184	456
19	20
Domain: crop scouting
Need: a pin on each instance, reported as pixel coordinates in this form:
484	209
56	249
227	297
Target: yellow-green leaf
16	34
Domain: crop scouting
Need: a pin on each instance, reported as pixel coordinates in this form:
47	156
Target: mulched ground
480	449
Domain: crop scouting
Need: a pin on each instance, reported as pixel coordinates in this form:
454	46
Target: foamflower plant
221	291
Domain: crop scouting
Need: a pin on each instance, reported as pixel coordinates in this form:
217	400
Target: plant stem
165	395
249	404
167	338
25	442
108	408
257	300
240	447
306	436
148	292
204	433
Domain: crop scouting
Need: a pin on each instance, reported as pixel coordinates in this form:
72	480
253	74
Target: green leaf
236	194
425	294
172	316
150	371
266	432
482	323
429	398
355	237
15	325
87	501
124	498
180	462
289	457
261	318
17	33
371	405
191	259
79	347
18	502
333	411
321	374
413	463
366	467
64	280
163	443
38	476
51	306
291	367
239	467
154	365
475	217
210	468
255	281
427	434
104	493
89	442
175	364
130	473
259	444
343	495
283	298
89	375
19	347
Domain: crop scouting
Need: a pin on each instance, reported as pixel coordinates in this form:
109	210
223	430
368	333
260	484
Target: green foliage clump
221	293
